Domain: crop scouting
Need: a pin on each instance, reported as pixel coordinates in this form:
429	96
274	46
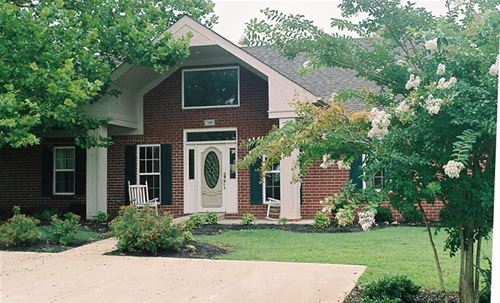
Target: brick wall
164	122
21	182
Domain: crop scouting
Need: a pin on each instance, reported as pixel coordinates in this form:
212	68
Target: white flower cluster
433	105
380	123
441	69
443	84
453	168
327	205
366	219
431	45
403	107
494	67
327	162
344	217
458	3
413	82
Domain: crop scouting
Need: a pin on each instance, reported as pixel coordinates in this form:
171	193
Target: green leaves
57	56
463	147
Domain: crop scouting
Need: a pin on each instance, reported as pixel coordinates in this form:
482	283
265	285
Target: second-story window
210	87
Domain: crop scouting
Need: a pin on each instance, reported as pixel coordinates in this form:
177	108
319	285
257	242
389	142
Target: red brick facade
164	122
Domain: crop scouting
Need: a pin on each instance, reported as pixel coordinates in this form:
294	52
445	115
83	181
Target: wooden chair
139	196
272	203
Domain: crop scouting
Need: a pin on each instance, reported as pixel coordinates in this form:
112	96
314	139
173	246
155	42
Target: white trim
55	170
237	67
138	167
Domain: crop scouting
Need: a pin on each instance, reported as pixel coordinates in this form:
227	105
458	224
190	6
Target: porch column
289	191
97	177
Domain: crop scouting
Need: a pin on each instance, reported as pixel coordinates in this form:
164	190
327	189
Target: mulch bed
44	247
96	226
203	251
424	297
214	229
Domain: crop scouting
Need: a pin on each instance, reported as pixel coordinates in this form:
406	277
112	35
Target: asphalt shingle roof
322	82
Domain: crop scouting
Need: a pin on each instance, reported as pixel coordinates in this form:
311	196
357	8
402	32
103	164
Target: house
182	132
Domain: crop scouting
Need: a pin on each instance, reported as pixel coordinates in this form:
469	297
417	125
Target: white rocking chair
139	196
272	203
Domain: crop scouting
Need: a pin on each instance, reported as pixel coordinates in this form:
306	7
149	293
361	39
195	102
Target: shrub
48	213
247	219
211	218
196	220
283	221
384	214
411	215
101	217
396	287
380	300
485	295
64	231
366	219
19	230
321	220
142	230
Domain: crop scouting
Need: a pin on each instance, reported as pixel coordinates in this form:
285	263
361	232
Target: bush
211	218
283	221
196	221
321	220
47	214
19	230
411	215
101	217
143	231
247	219
63	231
384	214
396	287
380	300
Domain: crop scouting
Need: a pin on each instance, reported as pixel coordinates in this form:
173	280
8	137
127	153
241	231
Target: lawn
395	250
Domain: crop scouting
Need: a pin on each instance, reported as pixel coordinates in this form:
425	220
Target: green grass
396	250
83	235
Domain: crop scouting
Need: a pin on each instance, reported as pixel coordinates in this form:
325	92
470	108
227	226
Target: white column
97	178
289	190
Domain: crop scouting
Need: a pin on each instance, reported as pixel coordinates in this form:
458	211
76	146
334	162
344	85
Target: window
149	168
272	183
64	170
376	182
210	87
191	164
211	136
232	163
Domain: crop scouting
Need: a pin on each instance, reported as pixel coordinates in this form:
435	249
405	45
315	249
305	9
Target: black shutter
166	174
47	171
255	183
80	170
355	173
130	168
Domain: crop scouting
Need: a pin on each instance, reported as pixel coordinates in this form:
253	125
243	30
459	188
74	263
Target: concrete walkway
84	274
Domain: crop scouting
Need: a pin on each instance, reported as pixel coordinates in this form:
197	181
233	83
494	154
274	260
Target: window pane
149	152
153	185
156	166
149	166
142	166
65	182
142	152
216	87
65	158
212	136
273	186
232	163
191	164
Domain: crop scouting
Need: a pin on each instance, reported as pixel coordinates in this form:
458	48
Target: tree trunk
434	250
478	270
467	293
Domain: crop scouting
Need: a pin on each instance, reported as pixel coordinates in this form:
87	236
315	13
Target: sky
233	14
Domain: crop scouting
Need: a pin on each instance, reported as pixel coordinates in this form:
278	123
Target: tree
56	56
432	124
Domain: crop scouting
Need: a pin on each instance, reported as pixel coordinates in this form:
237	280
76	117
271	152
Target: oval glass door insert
211	169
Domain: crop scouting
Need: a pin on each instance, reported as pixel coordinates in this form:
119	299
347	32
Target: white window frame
273	171
56	170
370	182
138	166
211	68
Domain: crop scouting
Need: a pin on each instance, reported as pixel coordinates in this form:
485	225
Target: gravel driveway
84	274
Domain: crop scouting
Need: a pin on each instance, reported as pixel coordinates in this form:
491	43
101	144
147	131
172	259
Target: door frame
192	187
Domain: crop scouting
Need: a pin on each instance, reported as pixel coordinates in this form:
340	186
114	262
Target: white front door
213	184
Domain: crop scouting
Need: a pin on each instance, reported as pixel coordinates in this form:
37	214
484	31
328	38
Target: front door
215	178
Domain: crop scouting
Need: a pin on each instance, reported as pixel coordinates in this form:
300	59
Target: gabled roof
322	82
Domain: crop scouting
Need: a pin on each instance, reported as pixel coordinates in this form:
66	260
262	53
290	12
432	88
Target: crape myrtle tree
431	124
57	56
